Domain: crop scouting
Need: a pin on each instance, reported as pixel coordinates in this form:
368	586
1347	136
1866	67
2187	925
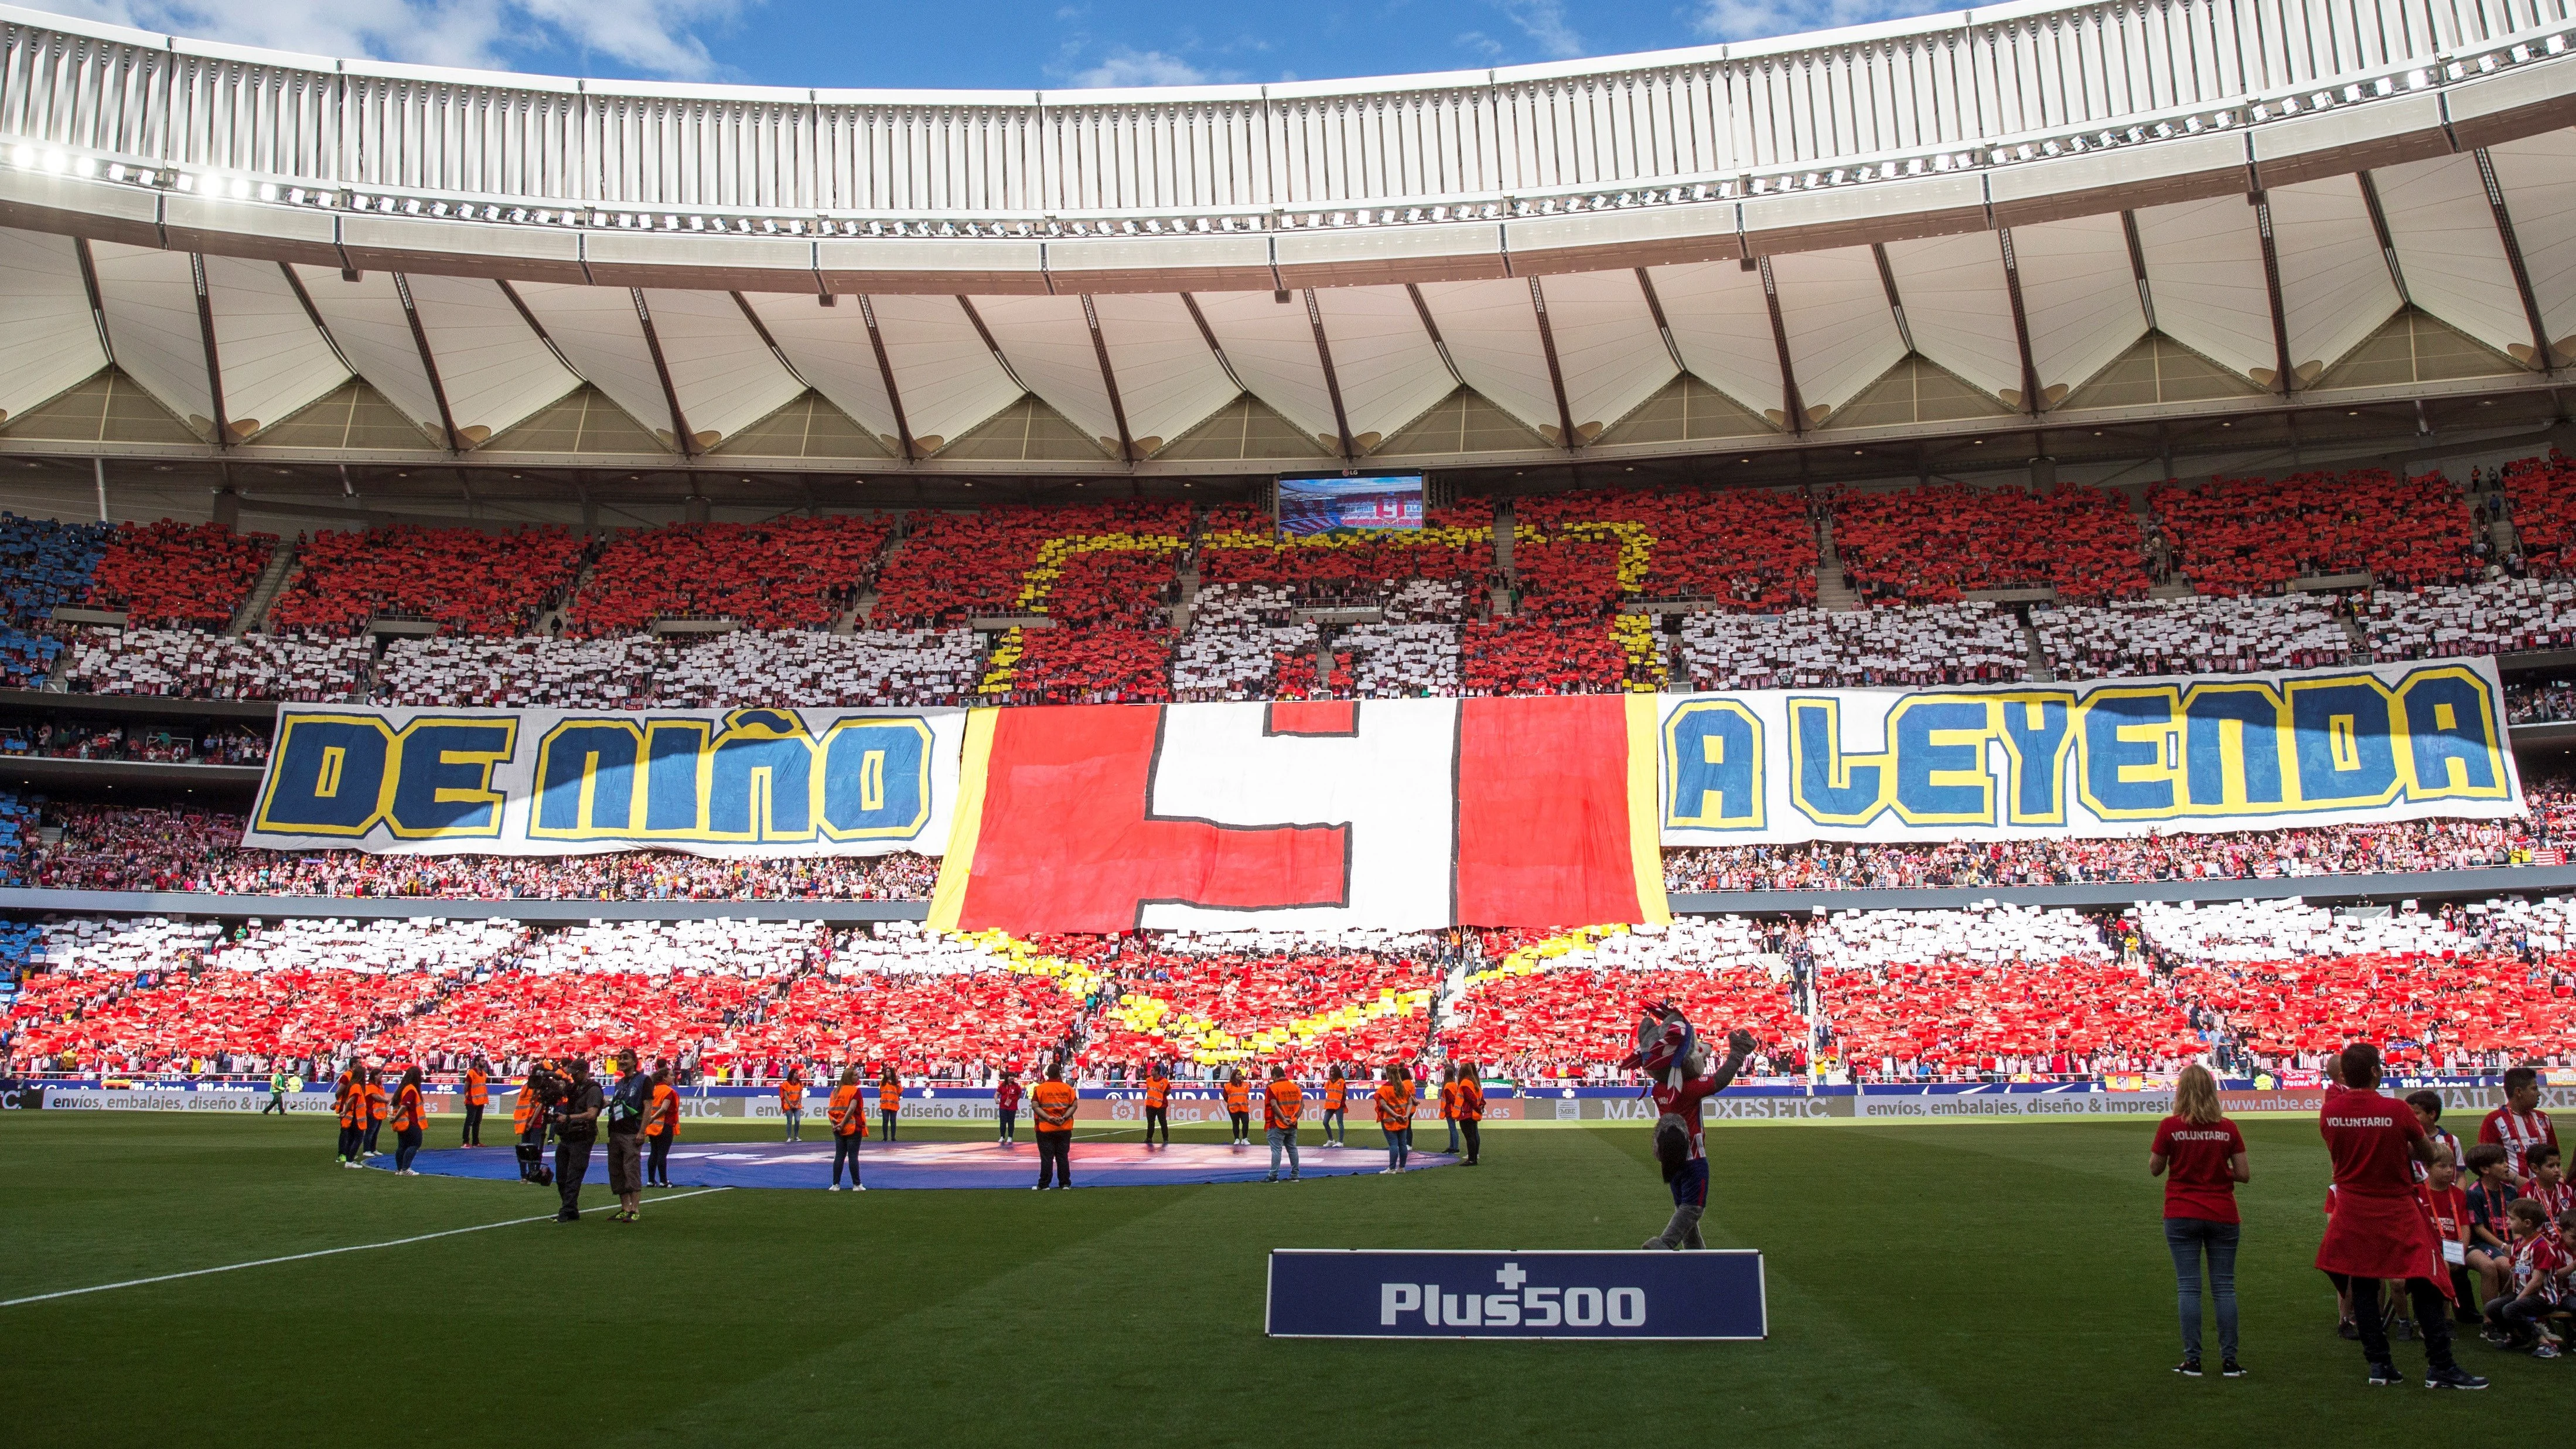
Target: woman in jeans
410	1117
2201	1157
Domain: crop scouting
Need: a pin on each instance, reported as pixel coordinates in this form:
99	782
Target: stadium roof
2038	219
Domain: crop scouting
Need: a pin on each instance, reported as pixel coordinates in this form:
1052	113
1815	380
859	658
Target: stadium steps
552	621
864	610
2359	636
1188	607
1831	592
2041	671
272	582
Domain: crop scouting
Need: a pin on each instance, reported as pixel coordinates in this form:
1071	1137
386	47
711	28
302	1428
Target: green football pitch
1940	1284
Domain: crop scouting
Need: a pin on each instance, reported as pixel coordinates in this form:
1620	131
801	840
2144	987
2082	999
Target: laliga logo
1515	1307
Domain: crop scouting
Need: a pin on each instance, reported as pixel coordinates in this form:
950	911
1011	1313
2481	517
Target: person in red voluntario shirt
2378	1230
2201	1157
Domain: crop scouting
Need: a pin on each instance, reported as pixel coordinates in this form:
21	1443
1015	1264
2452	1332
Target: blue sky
982	44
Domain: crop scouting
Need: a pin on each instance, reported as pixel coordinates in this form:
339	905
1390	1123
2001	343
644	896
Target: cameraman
576	1124
539	1091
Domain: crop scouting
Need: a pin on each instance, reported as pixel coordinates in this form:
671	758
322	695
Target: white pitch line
318	1253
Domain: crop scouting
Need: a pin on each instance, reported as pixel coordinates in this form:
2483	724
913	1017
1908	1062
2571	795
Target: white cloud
1764	19
656	37
1125	67
1544	21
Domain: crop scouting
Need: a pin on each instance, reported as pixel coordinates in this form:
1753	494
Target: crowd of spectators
43	564
1424	575
2448	621
1538	655
1081	666
1010	560
788	669
1807	648
1586	552
783	573
68	739
191	664
1935	543
2255	535
169	575
2200	635
1988	993
466	580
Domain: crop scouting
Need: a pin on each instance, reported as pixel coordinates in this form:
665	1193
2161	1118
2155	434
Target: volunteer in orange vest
889	1099
1395	1116
1337	1095
661	1126
791	1103
528	1120
849	1128
1281	1103
349	1095
1449	1105
478	1094
410	1118
377	1107
1471	1110
1158	1101
1006	1109
1238	1107
1051	1104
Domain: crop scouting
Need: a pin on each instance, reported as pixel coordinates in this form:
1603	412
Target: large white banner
746	782
2114	757
2119	757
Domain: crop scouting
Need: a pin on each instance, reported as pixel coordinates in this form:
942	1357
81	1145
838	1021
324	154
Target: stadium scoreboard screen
1334	503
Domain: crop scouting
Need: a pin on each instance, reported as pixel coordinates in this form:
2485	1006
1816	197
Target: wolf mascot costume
1681	1076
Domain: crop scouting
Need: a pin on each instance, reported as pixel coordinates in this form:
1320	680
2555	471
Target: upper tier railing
1968	91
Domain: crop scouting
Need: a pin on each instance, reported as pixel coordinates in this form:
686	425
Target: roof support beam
428	364
2033	400
2138	266
313	315
520	305
1565	437
2284	380
97	307
885	370
990	345
2387	242
1332	380
214	363
1207	335
1663	328
1793	409
1109	380
1439	344
680	436
760	329
1895	299
2543	358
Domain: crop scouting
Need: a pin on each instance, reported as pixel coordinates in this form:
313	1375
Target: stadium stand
1585	552
190	664
1803	648
2443	621
43	564
785	573
1934	544
789	669
464	579
1008	560
2255	535
153	743
169	575
1080	666
2211	635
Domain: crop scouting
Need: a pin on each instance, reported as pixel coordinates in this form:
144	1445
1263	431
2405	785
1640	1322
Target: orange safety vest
791	1096
1471	1100
1051	1103
1282	1101
408	1113
523	1112
1336	1095
889	1096
1158	1090
1449	1099
476	1092
352	1101
849	1119
376	1101
1238	1097
1394	1105
662	1118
